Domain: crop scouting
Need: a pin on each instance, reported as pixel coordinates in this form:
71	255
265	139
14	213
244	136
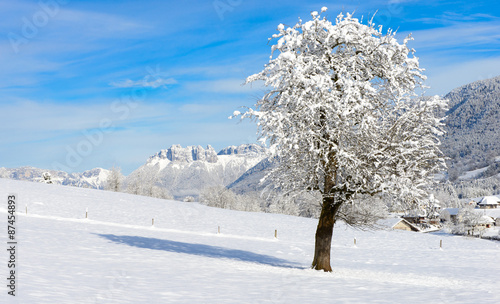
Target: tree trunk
324	234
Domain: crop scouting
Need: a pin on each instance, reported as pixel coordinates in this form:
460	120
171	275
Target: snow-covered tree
161	192
114	180
447	195
218	196
47	178
250	201
468	221
342	117
364	211
283	204
134	183
222	197
189	199
146	182
298	203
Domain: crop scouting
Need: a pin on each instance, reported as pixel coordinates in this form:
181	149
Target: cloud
229	85
399	1
451	18
98	25
479	35
47	130
159	82
445	78
459	51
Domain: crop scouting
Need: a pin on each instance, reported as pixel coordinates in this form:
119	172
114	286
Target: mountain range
471	143
182	171
472	139
95	178
187	171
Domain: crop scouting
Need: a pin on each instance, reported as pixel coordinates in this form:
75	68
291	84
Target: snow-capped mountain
250	181
187	171
472	140
95	178
471	143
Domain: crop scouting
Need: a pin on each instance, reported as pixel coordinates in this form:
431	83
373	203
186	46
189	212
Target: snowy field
117	256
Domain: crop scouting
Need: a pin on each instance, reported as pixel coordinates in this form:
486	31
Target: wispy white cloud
442	78
102	25
154	84
47	130
450	18
230	85
458	53
74	62
400	1
478	35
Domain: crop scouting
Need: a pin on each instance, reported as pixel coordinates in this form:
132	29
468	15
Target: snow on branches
342	116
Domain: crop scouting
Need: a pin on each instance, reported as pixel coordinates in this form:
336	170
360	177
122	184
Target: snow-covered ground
475	173
117	256
472	174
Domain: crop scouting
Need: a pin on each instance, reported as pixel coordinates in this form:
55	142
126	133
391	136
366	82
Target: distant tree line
140	183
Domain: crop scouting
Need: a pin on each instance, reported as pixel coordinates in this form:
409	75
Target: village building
494	214
489	216
414	219
486	222
489	202
399	224
449	215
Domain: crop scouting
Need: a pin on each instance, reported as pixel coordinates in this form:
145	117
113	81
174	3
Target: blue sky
89	84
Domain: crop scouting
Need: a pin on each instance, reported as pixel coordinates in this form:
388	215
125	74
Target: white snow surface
117	256
475	173
472	174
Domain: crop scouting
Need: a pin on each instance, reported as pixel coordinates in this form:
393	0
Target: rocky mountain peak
243	149
176	153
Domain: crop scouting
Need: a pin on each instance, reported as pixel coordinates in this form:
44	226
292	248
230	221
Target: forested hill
473	127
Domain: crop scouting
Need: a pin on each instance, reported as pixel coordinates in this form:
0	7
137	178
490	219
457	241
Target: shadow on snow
200	250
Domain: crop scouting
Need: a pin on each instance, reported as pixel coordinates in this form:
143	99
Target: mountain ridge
472	140
93	178
187	171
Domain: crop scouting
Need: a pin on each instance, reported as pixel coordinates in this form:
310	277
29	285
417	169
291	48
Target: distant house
494	214
489	202
489	217
415	219
486	221
398	223
449	214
